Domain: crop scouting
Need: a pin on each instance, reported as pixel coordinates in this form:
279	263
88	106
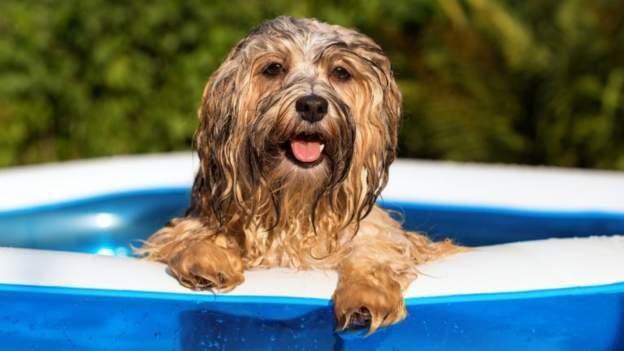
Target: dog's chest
281	250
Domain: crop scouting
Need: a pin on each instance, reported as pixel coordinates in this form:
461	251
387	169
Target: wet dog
297	130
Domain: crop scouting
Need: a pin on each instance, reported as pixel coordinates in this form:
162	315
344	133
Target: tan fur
253	206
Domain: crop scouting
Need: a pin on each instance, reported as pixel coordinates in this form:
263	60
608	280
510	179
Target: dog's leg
196	256
379	264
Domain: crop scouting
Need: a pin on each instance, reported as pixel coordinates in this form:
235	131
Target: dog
297	130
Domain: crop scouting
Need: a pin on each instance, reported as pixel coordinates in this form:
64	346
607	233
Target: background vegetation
532	81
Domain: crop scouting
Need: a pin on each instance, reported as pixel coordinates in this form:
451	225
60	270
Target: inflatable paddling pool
546	273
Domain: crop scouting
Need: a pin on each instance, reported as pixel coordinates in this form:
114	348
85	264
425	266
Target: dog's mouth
306	149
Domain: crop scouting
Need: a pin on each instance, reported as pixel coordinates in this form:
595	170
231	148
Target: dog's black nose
312	108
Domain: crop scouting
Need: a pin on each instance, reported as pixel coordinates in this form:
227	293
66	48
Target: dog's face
300	112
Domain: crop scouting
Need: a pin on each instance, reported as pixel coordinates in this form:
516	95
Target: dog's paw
205	265
362	304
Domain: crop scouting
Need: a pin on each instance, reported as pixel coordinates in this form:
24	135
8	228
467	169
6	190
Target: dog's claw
203	283
359	319
359	305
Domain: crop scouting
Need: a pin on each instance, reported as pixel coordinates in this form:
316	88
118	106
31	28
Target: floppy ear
384	128
217	147
391	112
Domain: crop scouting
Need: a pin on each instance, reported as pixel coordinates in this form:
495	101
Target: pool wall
566	294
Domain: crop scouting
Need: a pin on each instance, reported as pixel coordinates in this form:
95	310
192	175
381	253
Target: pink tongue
306	151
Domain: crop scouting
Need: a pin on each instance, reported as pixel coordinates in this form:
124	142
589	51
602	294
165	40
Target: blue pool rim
294	300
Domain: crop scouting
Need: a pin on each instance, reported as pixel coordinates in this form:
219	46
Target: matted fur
254	206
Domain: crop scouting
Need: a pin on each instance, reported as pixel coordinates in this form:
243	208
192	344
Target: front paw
205	265
367	304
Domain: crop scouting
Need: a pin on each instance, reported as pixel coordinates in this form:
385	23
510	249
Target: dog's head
300	120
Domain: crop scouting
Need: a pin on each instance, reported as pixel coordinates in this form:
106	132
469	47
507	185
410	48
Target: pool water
109	224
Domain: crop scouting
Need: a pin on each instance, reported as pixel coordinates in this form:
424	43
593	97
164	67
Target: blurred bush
534	81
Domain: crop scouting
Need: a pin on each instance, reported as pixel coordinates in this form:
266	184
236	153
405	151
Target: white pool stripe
411	181
525	266
533	188
25	187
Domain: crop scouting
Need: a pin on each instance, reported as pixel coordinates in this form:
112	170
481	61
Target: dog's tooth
322	147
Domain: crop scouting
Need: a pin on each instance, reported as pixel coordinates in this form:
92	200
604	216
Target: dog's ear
215	141
383	132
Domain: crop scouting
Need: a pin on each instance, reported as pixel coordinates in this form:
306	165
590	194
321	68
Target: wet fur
254	207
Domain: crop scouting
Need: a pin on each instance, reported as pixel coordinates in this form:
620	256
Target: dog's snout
312	108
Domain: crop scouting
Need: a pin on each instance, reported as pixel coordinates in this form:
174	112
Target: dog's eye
274	69
341	73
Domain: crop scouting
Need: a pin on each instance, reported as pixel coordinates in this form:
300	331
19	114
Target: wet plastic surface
73	319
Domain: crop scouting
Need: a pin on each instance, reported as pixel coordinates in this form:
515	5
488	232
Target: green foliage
534	81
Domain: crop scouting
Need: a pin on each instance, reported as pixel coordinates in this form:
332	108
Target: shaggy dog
297	130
